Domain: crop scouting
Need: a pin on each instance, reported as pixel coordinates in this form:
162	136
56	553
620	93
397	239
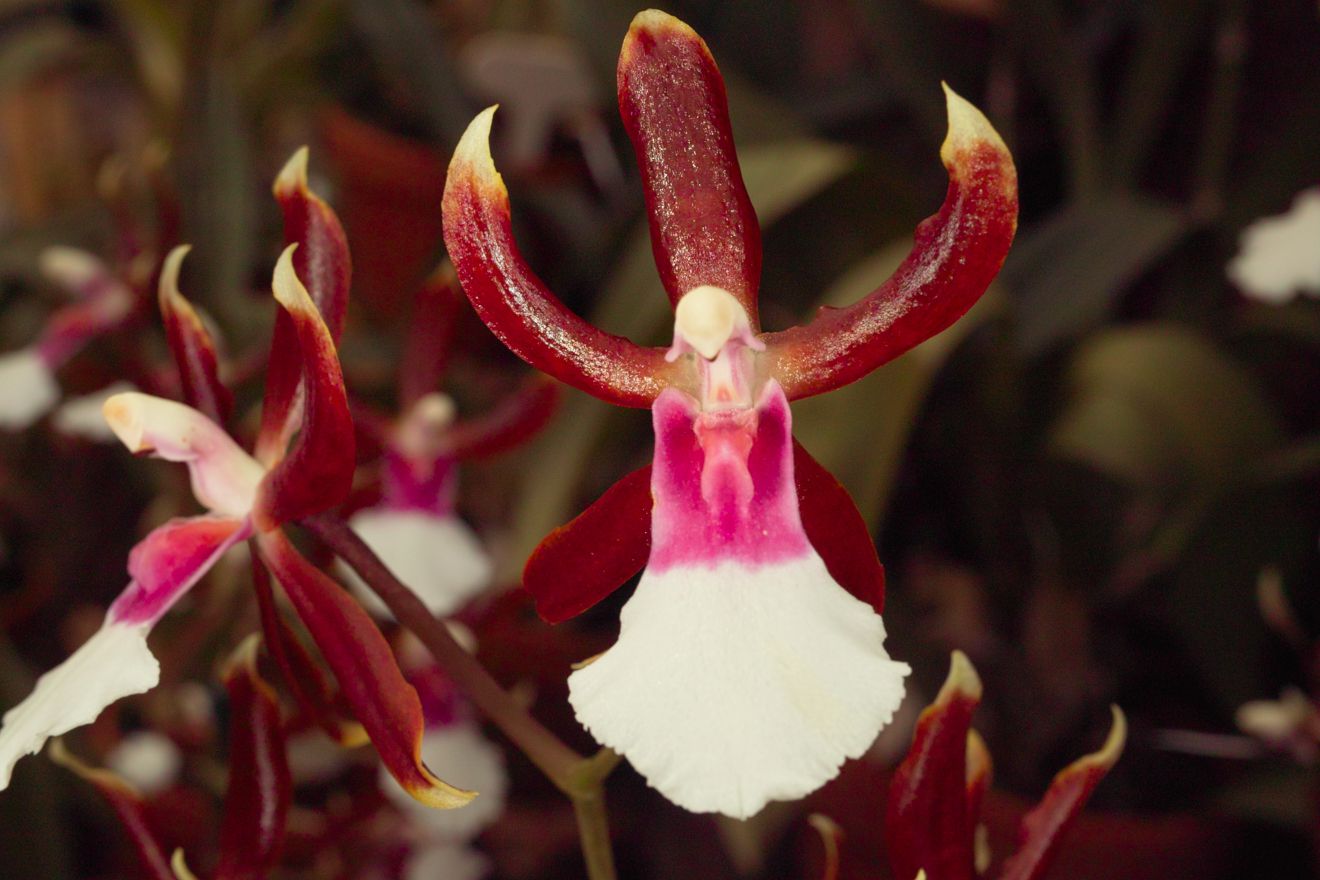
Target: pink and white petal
224	477
82	275
170	560
114	663
452	861
438	557
478	765
82	416
729	688
27	389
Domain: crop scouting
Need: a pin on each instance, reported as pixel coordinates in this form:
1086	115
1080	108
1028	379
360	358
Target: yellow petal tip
968	127
962	681
293	176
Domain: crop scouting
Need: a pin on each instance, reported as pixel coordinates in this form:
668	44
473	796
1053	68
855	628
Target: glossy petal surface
956	255
192	346
583	561
836	529
672	99
516	304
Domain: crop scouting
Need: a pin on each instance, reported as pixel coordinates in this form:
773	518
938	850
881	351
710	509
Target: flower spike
191	344
672	99
516	304
956	255
318	472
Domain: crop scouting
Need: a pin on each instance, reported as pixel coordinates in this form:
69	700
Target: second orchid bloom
750	662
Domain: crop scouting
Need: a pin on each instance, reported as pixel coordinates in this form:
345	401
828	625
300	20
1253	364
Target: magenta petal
166	563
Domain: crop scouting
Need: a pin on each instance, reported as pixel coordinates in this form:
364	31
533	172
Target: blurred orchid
1279	258
247	496
750	663
415	528
935	795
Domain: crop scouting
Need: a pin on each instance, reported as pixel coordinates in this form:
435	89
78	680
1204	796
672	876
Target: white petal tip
27	389
71	268
293	176
287	287
968	127
473	150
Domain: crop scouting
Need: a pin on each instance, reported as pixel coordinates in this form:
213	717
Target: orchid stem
582	779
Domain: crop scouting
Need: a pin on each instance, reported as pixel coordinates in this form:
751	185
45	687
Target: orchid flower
415	528
28	389
750	662
936	793
286	478
1279	257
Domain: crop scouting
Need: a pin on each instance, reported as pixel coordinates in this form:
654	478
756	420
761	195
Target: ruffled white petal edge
1280	256
438	557
81	416
147	760
112	664
450	861
27	389
730	688
462	756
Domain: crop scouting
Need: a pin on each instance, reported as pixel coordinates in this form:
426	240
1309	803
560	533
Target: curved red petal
516	305
836	529
192	346
512	422
956	255
927	826
322	261
129	808
257	799
583	561
671	96
430	335
317	473
385	704
1044	826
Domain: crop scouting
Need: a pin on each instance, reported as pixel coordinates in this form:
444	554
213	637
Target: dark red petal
927	826
836	529
368	675
516	305
956	255
192	346
430	335
314	694
671	96
257	800
582	562
513	421
322	262
980	772
128	806
317	473
1045	825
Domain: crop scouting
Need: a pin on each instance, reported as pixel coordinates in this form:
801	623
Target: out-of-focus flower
147	760
744	671
934	811
1290	723
1279	257
82	416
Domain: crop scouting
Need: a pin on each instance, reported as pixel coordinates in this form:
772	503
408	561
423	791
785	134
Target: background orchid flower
1278	259
750	662
935	795
28	389
286	478
415	528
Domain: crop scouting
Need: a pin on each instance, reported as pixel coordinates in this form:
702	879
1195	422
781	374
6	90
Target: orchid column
750	662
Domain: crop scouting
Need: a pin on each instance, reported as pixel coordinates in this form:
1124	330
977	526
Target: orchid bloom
247	496
936	793
415	528
1279	257
750	662
28	389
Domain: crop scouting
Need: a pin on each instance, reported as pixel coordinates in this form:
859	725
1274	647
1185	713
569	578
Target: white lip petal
147	760
112	664
463	757
730	688
438	557
27	389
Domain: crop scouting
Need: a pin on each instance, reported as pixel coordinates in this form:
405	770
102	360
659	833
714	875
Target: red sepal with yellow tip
191	344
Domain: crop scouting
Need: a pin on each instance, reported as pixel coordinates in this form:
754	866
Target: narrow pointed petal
836	529
478	765
369	677
980	772
512	422
1045	825
927	825
317	474
431	328
127	803
956	255
516	305
583	561
322	259
192	346
224	477
257	799
27	389
671	96
103	302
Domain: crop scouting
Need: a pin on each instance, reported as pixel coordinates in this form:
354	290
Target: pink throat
426	486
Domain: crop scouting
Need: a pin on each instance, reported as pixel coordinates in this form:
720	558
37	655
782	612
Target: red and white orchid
750	663
302	464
